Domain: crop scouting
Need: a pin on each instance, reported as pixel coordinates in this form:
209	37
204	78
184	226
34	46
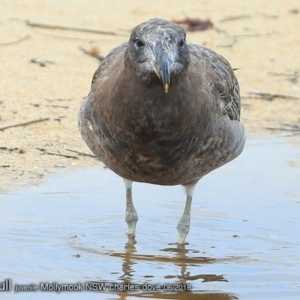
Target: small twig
295	126
81	153
59	154
52	153
60	106
224	32
17	41
47	26
280	74
5	166
24	124
291	77
41	62
286	127
252	34
269	96
59	99
283	129
270	16
99	57
234	18
59	118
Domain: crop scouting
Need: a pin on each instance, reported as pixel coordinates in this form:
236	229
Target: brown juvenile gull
162	111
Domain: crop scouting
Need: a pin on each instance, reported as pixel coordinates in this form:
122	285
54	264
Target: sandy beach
45	74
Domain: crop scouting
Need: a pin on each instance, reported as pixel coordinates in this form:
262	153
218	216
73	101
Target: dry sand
260	38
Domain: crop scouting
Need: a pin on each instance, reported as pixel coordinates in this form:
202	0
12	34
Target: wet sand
260	39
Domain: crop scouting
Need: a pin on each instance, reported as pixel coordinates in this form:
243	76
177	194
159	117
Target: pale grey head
157	50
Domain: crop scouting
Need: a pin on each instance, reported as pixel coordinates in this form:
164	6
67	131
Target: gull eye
181	43
139	43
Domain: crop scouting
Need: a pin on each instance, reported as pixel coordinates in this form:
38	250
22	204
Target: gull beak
162	70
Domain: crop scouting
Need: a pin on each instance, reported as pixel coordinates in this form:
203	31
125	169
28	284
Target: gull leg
131	217
183	225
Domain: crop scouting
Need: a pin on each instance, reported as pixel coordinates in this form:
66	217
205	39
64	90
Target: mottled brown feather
144	134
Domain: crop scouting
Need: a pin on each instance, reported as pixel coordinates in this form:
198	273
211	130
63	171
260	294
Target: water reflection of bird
163	111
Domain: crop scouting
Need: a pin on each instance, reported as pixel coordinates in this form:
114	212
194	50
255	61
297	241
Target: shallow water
244	241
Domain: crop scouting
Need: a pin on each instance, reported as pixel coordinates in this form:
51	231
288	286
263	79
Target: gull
162	111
